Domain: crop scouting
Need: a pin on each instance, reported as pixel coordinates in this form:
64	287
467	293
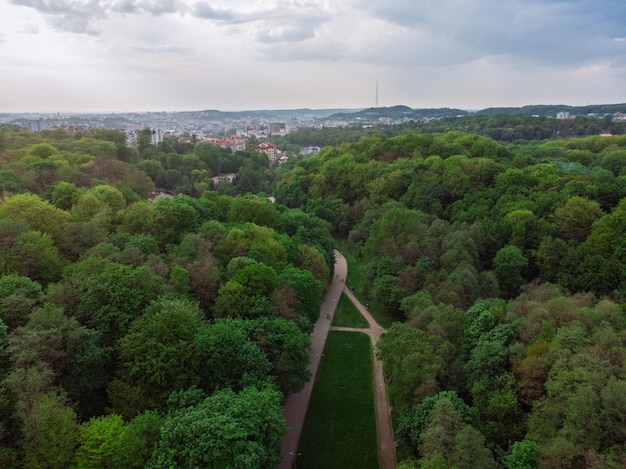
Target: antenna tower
376	105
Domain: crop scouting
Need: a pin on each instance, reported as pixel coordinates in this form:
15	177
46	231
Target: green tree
37	213
50	432
99	439
523	455
239	430
286	347
576	217
415	423
64	195
111	295
508	265
72	352
307	288
234	301
157	354
35	256
228	359
461	445
137	441
410	362
18	295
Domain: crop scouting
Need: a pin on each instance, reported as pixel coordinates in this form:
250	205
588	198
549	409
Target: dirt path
384	427
296	404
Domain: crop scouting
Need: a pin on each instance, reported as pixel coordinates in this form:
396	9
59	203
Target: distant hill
398	112
544	110
278	114
551	110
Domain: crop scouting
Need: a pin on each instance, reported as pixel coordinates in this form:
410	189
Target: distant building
310	151
562	115
156	136
158	192
269	149
71	129
234	142
277	129
228	177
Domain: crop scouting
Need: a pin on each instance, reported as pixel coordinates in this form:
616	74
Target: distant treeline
517	128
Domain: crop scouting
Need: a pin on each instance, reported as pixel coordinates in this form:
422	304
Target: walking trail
296	404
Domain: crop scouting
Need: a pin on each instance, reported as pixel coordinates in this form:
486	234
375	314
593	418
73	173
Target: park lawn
340	427
357	279
347	315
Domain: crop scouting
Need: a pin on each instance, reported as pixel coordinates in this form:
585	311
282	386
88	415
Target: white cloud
291	53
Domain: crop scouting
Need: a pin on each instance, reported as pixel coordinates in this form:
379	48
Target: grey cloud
283	22
544	31
205	11
75	16
160	7
125	6
80	16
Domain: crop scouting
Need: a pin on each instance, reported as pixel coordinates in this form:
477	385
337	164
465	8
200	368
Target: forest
503	268
146	334
131	330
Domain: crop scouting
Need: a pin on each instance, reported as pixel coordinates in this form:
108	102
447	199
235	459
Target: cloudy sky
174	55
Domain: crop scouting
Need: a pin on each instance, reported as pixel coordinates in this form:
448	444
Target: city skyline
176	55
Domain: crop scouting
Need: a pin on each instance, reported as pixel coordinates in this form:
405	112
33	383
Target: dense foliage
146	334
504	268
130	330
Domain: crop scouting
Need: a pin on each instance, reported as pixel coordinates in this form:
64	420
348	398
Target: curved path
296	404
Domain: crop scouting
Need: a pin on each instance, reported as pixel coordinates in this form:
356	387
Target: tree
307	288
116	296
460	444
157	354
416	422
99	439
490	356
18	295
410	362
523	455
37	213
576	216
398	232
257	279
507	265
239	430
227	358
137	441
35	256
233	301
64	195
286	347
72	352
50	433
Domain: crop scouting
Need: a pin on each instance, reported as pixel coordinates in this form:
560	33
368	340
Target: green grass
347	315
340	427
356	278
